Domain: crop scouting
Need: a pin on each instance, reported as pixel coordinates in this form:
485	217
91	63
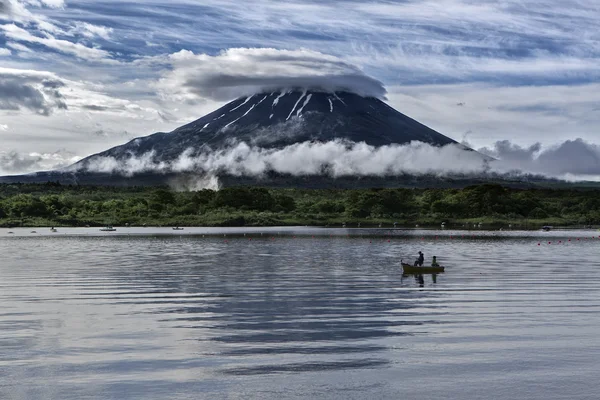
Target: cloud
78	50
13	162
241	71
91	31
10	9
572	157
336	158
407	42
126	166
570	160
35	91
5	52
16	10
525	73
50	3
19	47
491	113
44	92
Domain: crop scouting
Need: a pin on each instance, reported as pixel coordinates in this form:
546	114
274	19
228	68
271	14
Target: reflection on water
292	316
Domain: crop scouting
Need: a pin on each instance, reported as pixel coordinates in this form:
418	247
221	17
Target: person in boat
434	262
420	260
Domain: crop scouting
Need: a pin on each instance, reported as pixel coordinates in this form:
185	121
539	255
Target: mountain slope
274	120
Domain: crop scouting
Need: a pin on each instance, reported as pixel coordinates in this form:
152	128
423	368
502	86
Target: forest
492	205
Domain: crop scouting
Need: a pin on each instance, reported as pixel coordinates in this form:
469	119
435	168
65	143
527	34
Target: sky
517	78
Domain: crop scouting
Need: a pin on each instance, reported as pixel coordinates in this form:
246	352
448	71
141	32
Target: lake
296	313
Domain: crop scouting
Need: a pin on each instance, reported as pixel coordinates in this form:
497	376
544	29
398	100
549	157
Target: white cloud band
340	158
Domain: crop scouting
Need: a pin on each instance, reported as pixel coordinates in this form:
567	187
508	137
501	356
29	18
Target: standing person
420	260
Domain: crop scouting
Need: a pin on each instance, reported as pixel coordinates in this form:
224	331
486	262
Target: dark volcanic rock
273	120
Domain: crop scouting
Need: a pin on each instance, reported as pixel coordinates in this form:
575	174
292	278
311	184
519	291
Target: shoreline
285	229
426	225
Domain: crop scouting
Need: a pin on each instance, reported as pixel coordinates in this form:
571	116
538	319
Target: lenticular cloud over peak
244	71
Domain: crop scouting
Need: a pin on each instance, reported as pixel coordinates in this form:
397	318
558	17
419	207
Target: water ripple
200	317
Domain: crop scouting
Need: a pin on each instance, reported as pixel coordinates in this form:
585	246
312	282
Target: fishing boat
108	228
411	269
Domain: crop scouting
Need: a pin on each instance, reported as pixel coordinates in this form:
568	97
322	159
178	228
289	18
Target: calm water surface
287	315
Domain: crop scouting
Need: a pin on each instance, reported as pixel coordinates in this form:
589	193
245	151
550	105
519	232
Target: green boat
412	270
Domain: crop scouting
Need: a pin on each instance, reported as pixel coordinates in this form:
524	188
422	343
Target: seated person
434	262
420	260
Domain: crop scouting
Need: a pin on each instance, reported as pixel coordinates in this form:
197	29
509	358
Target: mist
571	160
12	162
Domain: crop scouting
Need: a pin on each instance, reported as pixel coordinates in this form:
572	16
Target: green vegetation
52	204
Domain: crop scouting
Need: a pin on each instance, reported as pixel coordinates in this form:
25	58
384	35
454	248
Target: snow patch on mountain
276	101
296	105
304	105
245	101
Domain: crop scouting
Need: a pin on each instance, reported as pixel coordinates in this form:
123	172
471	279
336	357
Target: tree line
55	204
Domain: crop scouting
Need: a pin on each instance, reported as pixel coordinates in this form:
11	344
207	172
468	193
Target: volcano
279	119
270	120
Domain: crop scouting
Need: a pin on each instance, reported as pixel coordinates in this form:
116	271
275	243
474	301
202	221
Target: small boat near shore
108	228
411	269
176	228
